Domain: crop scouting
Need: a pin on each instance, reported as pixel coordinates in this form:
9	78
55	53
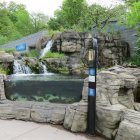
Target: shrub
135	60
54	55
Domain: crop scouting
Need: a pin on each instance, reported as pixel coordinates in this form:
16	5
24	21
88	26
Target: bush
135	59
54	55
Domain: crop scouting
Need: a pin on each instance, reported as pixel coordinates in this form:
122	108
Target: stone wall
75	47
2	91
117	113
71	116
6	62
112	51
129	35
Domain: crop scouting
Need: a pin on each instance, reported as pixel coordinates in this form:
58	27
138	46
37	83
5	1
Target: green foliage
130	2
39	21
63	70
32	53
16	22
133	16
133	20
54	55
54	32
2	70
135	59
77	15
3	39
8	50
68	15
72	11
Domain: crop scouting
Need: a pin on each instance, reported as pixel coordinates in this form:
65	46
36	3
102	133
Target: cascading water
47	48
20	68
43	68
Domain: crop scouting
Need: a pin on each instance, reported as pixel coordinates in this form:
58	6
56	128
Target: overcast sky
49	6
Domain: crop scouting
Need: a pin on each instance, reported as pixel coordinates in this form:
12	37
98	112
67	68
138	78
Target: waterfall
43	68
20	68
47	48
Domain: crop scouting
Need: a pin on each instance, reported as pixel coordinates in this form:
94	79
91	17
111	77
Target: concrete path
20	130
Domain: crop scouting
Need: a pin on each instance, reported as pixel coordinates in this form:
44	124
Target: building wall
129	35
29	40
126	34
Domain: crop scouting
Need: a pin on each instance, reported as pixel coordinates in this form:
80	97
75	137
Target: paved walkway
20	130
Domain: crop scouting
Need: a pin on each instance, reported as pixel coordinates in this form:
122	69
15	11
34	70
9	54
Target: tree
58	21
7	28
96	15
133	20
130	2
69	14
39	21
16	21
78	15
133	16
72	10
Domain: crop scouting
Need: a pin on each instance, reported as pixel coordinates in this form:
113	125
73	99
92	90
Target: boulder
2	91
108	119
6	111
115	93
22	110
76	117
47	112
129	128
70	47
6	57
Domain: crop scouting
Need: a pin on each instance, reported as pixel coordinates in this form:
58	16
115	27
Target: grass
54	55
32	53
8	50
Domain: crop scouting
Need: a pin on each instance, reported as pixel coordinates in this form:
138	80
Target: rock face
52	113
116	89
108	119
6	62
6	57
2	91
129	128
33	111
75	46
58	65
112	51
117	113
76	117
